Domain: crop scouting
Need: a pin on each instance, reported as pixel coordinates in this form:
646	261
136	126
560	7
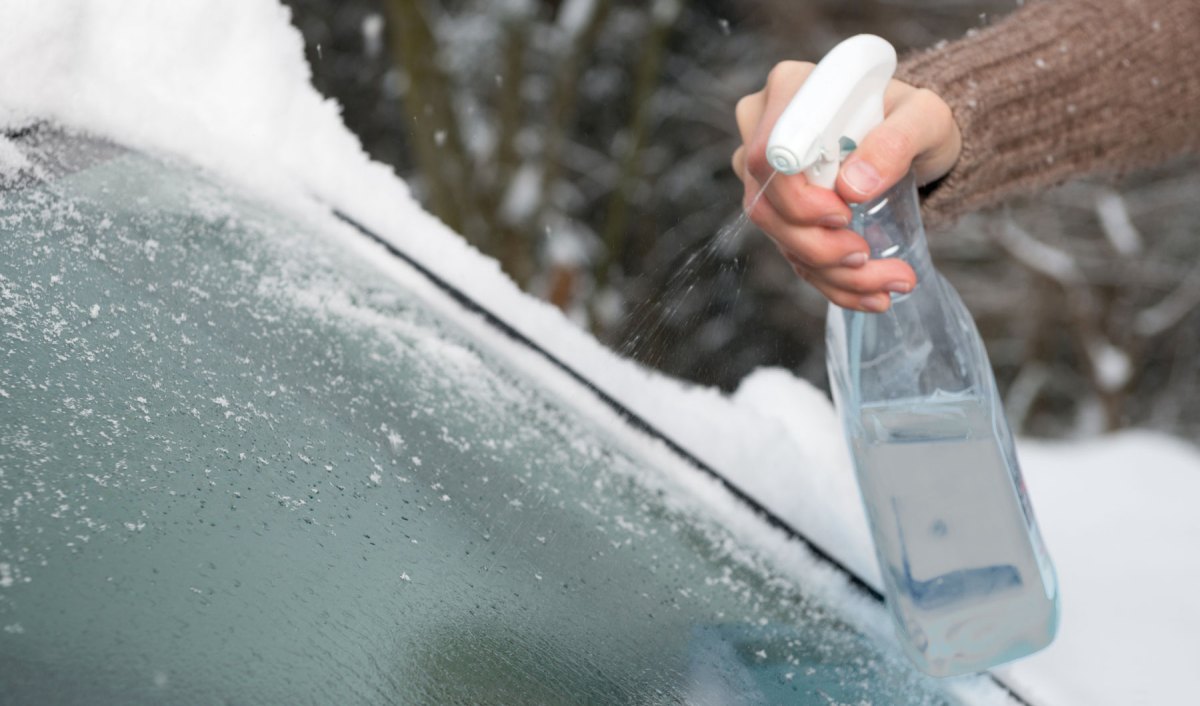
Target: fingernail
876	302
898	287
855	259
833	221
861	176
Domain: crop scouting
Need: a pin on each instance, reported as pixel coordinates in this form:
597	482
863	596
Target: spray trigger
839	102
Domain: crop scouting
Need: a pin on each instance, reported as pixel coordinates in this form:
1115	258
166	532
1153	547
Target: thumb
880	161
919	132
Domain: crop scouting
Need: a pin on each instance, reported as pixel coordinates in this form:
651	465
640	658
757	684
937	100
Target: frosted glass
238	464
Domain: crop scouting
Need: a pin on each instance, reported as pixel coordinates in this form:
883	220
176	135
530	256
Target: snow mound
221	82
1119	517
810	482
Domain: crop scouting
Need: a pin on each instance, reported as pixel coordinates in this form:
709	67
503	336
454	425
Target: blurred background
585	145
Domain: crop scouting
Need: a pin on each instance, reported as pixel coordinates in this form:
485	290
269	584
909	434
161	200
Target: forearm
1061	89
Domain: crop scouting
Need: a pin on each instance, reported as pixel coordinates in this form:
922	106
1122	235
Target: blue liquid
969	583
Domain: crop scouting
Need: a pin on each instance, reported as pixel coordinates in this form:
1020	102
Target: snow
182	77
1117	224
372	31
223	83
521	197
665	12
807	460
573	15
1119	516
11	159
568	244
1112	366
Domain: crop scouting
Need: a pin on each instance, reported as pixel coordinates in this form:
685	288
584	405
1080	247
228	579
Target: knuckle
842	298
858	283
831	259
865	280
796	202
757	164
827	249
927	99
743	108
938	112
788	196
780	72
809	250
786	71
756	212
895	145
797	260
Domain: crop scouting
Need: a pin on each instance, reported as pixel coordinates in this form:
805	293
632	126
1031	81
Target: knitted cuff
1060	89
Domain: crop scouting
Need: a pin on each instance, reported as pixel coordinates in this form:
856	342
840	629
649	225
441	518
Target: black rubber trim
633	418
18	133
56	152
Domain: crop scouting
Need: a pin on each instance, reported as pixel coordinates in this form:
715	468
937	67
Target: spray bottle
967	579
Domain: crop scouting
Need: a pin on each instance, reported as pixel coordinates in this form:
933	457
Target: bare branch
1116	223
615	234
443	161
1038	256
1170	310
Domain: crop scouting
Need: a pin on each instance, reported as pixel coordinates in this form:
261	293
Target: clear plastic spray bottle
966	576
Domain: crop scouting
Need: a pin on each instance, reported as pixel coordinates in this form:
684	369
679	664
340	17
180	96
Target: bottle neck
892	227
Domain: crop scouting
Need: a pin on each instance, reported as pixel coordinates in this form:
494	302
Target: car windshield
242	463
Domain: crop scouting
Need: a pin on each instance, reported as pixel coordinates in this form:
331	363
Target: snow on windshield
233	446
224	84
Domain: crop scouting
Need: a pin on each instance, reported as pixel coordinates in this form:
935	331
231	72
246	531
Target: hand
809	223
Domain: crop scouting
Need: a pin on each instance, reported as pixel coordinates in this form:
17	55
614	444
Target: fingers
808	223
866	288
835	261
919	132
792	196
738	162
799	202
812	247
748	112
758	113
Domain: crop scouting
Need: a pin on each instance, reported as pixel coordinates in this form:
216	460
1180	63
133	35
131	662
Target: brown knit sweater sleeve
1064	88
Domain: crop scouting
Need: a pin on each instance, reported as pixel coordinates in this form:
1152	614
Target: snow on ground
223	83
1119	516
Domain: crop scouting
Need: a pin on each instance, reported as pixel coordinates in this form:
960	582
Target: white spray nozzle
842	98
